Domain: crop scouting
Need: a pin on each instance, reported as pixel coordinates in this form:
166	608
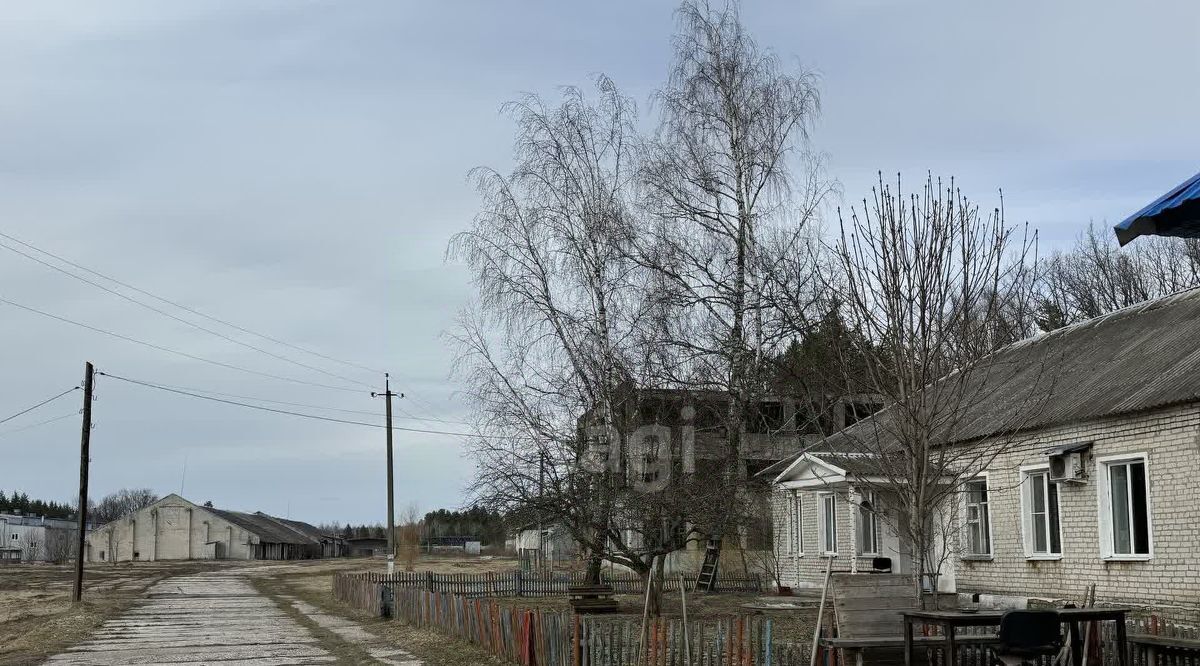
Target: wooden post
812	658
646	612
687	646
85	440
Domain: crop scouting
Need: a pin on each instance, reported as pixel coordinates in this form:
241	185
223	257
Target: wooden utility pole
85	439
391	501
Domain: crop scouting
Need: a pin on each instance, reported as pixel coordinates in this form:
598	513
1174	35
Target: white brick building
175	529
1123	413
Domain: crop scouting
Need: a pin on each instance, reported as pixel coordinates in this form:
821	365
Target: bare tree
408	536
122	503
1096	277
552	347
718	181
934	289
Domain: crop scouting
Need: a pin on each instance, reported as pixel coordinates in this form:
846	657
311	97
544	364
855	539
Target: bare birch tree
934	288
552	350
718	181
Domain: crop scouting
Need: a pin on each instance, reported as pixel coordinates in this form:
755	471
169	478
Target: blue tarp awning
1176	213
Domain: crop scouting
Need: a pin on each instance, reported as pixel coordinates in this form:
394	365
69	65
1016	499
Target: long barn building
175	529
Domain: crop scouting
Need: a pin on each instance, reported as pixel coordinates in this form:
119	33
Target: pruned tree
719	182
934	289
1096	276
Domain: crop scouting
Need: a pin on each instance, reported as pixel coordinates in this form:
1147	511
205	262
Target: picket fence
560	638
525	584
1153	641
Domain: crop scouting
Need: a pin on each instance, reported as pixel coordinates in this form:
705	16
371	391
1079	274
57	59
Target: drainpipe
154	537
853	497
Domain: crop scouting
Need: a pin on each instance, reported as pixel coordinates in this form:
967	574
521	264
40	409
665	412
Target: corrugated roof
1176	213
1138	358
270	529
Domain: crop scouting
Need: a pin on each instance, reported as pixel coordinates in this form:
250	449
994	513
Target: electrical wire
298	414
44	402
151	345
41	423
188	309
294	404
182	320
209	317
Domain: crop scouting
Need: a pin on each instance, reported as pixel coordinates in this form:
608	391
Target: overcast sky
298	167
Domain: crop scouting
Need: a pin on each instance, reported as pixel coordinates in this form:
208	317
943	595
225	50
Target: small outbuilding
366	546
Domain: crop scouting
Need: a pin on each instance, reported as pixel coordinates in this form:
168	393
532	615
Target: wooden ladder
707	580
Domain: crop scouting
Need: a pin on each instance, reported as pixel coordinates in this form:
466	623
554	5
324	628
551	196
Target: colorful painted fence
559	638
524	584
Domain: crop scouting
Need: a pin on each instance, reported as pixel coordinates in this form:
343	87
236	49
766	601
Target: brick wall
1169	581
807	568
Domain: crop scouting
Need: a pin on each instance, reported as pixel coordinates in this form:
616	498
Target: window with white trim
1040	514
828	531
868	525
797	510
1125	508
978	519
789	520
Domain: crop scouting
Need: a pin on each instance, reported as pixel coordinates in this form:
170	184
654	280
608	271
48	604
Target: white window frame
872	517
798	510
991	544
789	517
1104	507
824	528
1027	473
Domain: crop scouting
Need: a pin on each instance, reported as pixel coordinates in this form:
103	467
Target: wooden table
949	621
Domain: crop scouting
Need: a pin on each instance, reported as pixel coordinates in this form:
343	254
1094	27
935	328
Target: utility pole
391	510
85	439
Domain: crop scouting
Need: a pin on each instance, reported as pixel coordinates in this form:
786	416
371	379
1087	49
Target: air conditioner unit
1068	467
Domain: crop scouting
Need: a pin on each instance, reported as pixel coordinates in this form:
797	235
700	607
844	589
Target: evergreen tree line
19	501
488	526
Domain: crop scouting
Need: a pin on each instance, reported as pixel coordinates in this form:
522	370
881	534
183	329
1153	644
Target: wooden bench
867	616
589	599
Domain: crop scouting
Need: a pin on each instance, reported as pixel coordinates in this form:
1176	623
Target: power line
151	345
188	309
292	404
297	414
46	401
39	424
180	319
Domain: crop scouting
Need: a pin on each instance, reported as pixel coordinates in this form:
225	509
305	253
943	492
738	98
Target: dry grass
37	617
314	583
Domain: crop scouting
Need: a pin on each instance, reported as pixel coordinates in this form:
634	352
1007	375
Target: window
15	537
1040	514
829	524
765	417
1124	508
868	525
978	521
799	515
789	521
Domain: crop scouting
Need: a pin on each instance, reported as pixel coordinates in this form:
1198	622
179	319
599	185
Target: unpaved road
219	617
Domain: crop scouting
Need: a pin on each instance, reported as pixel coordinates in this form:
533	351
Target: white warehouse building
175	529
